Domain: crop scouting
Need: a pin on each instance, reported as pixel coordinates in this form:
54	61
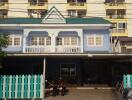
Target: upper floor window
14	41
67	41
95	40
41	41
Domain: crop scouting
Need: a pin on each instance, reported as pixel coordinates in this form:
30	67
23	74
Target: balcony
37	49
38	6
76	6
119	32
68	49
3	5
115	5
116	16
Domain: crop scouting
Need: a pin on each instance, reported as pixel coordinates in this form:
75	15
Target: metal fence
21	86
127	81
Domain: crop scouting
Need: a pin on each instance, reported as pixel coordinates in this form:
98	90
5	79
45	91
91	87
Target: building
55	34
70	35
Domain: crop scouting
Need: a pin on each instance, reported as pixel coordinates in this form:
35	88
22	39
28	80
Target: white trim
56	25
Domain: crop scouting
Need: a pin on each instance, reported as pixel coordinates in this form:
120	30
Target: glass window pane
59	41
48	41
10	41
66	40
91	40
41	40
74	40
16	41
34	41
98	40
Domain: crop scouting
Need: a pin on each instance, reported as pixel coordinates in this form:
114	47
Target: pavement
88	94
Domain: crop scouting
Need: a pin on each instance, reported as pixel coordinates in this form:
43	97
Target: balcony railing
120	5
116	16
38	6
76	5
3	5
68	49
37	49
119	31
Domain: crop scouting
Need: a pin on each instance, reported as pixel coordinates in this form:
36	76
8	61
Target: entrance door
68	72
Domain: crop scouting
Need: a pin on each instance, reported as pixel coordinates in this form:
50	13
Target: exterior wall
98	11
129	16
59	4
53	33
16	33
106	41
18	8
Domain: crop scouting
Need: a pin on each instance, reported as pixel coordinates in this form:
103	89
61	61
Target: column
44	68
80	33
25	34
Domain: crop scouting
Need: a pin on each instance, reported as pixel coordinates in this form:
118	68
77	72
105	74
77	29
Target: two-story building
63	44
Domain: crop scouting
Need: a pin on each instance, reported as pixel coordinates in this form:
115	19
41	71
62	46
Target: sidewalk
89	94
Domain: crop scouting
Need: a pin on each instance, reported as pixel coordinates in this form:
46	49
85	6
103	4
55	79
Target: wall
129	16
13	32
18	8
106	41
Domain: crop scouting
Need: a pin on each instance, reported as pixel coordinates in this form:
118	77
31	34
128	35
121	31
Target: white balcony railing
119	31
68	49
37	49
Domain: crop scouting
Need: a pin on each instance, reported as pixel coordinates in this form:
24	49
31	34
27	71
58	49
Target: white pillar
24	42
80	34
44	67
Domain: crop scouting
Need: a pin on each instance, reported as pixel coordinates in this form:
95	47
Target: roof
93	20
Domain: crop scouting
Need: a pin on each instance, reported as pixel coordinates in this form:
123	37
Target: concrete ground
88	94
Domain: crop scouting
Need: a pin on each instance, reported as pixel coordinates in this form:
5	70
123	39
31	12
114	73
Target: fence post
128	81
124	82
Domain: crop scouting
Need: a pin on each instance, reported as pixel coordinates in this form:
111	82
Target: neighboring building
117	11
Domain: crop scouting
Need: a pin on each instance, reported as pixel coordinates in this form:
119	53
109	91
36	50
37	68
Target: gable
53	16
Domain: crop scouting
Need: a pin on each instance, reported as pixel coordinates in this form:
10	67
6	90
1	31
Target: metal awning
68	33
38	33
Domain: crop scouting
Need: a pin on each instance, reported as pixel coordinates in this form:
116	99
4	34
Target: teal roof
94	20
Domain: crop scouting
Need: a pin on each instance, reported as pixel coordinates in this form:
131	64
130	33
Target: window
95	40
98	40
34	41
73	40
41	41
66	41
59	41
68	69
14	41
10	41
91	40
71	13
48	41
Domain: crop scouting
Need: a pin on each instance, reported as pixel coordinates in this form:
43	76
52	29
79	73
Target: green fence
127	81
21	86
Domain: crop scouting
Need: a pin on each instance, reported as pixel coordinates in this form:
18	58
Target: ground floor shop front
74	70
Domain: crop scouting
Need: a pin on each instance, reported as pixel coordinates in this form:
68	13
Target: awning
38	33
68	33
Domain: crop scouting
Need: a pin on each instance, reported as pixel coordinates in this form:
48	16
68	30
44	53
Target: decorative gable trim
53	16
